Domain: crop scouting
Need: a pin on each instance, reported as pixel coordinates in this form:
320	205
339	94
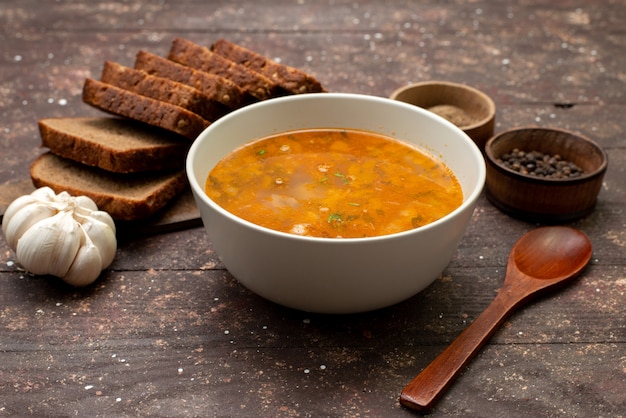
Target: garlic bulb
60	235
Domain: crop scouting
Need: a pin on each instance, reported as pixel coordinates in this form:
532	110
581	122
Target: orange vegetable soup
334	183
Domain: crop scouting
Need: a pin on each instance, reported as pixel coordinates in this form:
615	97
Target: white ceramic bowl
326	275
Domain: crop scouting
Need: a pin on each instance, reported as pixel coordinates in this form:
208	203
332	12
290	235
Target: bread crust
289	78
202	58
163	89
121	102
113	144
126	197
216	87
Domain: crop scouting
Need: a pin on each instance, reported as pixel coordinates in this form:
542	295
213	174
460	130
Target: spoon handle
424	390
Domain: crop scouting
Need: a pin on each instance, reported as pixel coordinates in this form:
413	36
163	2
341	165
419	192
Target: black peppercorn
538	164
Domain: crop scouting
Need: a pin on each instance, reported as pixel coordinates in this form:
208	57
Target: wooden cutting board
181	213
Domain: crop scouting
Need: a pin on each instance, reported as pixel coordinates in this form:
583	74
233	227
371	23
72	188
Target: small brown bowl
469	109
544	199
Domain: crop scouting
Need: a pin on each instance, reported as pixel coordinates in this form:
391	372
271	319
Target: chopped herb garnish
334	217
261	152
354	204
343	177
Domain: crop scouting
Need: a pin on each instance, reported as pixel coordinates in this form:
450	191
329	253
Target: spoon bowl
541	260
552	253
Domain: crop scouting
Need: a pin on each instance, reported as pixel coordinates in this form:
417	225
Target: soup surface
334	183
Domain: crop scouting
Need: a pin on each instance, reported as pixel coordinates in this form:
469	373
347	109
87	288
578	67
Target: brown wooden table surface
166	331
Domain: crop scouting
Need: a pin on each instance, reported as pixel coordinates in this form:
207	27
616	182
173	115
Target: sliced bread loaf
216	87
163	89
201	58
291	79
144	109
113	144
126	197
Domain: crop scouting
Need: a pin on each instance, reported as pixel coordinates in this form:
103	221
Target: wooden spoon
540	260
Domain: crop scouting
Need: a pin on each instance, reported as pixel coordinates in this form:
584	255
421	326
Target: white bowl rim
467	201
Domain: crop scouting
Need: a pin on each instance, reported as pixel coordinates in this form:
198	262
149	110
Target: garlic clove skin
86	267
15	207
15	224
60	235
85	202
104	217
50	245
102	237
43	195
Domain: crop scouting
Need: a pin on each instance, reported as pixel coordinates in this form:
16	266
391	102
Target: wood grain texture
540	261
167	331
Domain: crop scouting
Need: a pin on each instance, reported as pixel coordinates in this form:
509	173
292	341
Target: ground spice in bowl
535	163
468	108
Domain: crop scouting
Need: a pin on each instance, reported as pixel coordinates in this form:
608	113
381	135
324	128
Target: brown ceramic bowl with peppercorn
544	175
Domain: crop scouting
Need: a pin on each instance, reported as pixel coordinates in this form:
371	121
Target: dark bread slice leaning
216	87
113	144
202	58
126	197
163	89
289	78
134	106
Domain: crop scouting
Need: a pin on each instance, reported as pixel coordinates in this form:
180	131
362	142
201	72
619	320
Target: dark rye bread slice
144	109
162	89
126	197
113	144
201	58
216	87
291	79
